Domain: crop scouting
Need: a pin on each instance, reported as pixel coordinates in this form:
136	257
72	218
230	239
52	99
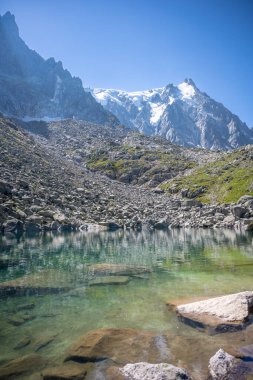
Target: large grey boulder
219	314
147	371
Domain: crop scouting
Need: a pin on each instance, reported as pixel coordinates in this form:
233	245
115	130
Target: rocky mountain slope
46	183
182	114
225	179
34	88
145	160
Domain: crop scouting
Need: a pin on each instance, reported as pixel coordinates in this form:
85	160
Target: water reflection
157	249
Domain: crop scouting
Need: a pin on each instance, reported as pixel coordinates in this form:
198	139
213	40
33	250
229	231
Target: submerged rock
44	282
110	280
106	269
20	366
147	371
43	342
22	343
220	314
120	345
67	371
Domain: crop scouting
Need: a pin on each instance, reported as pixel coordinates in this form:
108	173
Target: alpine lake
67	294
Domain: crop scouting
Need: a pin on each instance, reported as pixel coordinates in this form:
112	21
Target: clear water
183	263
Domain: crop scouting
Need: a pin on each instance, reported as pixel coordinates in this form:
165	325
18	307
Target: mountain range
32	88
182	114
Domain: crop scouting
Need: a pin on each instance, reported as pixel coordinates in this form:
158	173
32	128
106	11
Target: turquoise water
181	263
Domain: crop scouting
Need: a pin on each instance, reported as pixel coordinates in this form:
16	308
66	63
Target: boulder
244	199
220	314
55	225
67	371
221	365
120	345
111	226
161	225
109	280
5	188
21	366
238	211
147	371
106	269
44	282
13	225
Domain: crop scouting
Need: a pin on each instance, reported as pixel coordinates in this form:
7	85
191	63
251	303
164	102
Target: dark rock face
36	88
182	114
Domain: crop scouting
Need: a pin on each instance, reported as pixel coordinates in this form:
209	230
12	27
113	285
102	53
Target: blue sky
142	44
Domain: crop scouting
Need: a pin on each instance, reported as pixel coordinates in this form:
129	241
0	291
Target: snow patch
156	112
187	90
57	89
104	96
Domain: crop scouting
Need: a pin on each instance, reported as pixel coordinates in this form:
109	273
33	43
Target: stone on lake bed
147	371
23	342
26	306
40	283
107	269
109	280
20	366
219	314
123	346
67	371
43	342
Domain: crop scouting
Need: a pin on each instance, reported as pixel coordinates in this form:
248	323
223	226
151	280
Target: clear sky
142	44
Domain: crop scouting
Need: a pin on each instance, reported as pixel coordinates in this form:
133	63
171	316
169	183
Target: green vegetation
138	164
224	180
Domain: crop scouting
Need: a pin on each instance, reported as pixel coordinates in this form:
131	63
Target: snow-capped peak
181	113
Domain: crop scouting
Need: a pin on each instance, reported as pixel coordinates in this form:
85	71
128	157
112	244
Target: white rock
233	308
147	371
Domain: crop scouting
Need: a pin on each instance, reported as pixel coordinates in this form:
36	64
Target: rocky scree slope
42	189
31	87
182	114
45	184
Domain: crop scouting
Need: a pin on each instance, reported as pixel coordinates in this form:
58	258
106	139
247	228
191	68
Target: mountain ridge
182	114
35	88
